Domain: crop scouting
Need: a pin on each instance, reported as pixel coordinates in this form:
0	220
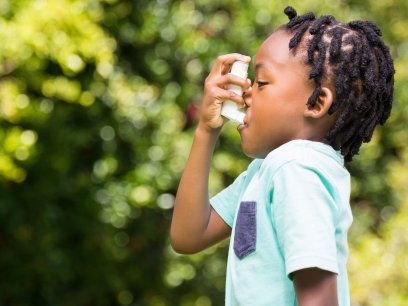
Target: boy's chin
251	152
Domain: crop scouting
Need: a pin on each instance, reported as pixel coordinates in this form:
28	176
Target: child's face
277	101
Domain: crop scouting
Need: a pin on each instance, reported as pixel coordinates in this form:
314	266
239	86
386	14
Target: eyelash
260	84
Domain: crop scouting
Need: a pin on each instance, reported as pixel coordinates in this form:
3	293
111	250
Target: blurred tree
71	218
97	103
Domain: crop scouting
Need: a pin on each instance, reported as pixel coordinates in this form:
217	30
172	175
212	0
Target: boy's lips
243	125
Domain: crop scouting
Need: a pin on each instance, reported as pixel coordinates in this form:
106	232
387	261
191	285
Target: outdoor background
98	101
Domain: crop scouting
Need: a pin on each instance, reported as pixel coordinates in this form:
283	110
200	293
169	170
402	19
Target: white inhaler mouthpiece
229	108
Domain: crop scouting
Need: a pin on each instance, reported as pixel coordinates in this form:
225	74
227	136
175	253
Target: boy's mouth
242	126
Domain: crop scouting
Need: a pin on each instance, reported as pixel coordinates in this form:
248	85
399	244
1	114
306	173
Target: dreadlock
353	59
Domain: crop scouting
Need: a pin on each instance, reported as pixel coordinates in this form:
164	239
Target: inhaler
229	108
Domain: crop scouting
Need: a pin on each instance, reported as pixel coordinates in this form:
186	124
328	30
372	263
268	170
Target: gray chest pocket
245	229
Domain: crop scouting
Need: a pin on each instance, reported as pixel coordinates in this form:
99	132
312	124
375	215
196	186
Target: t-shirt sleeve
304	213
226	201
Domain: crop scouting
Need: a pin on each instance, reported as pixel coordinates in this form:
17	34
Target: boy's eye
260	83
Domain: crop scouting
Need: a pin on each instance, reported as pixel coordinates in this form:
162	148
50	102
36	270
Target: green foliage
97	103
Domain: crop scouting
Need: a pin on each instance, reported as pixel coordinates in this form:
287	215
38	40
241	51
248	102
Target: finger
223	94
226	68
232	79
227	60
247	86
247	91
249	82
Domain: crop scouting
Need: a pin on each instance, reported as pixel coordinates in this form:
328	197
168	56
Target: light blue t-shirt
289	211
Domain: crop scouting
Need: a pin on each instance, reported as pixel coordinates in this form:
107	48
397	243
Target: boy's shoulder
309	154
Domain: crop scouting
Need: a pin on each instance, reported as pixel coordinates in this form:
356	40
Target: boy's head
352	59
348	76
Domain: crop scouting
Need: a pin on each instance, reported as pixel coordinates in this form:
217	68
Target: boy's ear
322	106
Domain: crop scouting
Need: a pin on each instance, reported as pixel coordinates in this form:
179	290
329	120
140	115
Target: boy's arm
315	287
195	225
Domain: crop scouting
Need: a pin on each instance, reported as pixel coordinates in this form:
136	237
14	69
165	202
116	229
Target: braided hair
352	59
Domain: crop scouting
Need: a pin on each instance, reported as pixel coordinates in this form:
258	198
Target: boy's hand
215	93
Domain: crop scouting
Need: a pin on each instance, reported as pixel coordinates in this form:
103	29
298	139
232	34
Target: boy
320	89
